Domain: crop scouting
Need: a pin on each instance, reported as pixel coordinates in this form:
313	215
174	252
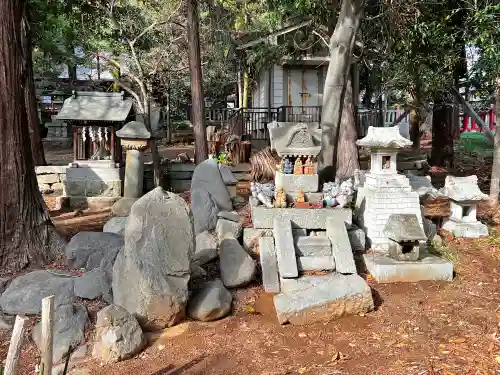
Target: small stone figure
263	192
287	166
300	201
300	197
346	193
308	167
298	168
281	166
280	198
330	192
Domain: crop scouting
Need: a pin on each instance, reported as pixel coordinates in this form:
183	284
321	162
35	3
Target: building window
386	162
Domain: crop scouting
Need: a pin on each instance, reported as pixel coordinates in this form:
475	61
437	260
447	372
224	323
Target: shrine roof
96	106
384	137
296	139
404	227
462	189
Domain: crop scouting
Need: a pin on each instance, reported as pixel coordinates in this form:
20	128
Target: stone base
312	299
290	183
463	229
263	217
123	206
387	270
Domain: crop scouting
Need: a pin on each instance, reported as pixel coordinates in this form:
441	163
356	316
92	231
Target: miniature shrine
95	174
389	211
464	194
306	235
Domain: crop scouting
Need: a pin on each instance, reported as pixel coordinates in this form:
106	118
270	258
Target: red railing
468	124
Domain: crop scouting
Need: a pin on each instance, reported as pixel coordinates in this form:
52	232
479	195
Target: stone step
313	246
269	265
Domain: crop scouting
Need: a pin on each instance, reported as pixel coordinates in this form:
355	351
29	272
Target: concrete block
323	299
316	263
308	183
341	247
48	178
269	265
263	217
387	270
313	246
285	249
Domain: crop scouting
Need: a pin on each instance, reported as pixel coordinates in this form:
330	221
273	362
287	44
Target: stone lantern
134	139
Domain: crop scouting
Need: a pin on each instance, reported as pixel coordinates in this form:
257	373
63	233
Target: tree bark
442	134
197	98
27	236
341	48
347	159
495	169
30	97
415	117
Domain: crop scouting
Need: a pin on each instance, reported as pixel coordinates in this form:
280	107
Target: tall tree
341	50
30	94
197	97
27	235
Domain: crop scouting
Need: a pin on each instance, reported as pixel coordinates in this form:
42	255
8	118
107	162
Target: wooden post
15	346
47	338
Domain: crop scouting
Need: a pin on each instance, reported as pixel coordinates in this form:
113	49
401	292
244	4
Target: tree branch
131	92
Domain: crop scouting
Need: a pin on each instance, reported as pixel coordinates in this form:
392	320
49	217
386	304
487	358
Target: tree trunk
27	236
341	48
442	134
495	169
347	160
30	97
193	32
415	124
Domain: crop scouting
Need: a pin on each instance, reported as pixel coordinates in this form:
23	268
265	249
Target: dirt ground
421	328
425	328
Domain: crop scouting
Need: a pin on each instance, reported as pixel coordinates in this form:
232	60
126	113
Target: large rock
211	302
237	268
209	195
93	284
24	294
118	335
151	272
88	249
68	330
206	248
115	225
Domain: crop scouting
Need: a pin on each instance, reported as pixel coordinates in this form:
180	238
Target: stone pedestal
134	138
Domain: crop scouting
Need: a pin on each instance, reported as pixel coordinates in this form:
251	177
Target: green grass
475	143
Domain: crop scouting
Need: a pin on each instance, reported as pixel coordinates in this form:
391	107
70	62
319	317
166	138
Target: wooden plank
47	334
16	341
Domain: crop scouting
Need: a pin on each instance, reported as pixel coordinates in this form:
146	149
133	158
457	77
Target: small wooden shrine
95	117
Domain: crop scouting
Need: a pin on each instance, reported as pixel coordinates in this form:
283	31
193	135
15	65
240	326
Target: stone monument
464	196
299	235
134	139
388	209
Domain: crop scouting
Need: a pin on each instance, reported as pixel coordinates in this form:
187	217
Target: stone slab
310	246
269	265
323	299
42	169
263	217
387	270
229	215
341	246
466	230
51	178
290	183
285	249
316	263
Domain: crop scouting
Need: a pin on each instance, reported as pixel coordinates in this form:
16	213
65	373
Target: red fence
467	124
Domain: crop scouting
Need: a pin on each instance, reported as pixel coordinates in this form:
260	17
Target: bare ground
425	328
